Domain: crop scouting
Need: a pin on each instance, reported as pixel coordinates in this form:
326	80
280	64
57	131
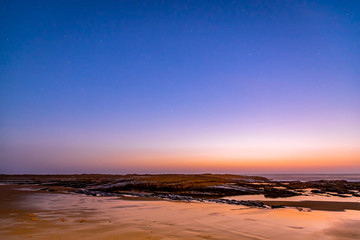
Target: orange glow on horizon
333	160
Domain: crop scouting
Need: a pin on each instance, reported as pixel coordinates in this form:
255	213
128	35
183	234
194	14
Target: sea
355	177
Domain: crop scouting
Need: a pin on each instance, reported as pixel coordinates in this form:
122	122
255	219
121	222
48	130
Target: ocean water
312	177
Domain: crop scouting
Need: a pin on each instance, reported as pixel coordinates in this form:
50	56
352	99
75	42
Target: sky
180	86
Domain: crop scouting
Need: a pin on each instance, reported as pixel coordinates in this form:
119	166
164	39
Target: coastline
32	213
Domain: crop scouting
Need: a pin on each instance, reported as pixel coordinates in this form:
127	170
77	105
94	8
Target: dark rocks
183	187
277	206
276	193
318	191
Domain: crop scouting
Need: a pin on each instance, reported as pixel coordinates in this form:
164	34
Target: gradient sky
179	86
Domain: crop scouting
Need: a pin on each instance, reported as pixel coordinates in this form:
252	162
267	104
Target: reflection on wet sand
311	201
72	216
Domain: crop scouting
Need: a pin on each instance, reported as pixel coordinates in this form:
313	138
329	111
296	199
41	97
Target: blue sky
177	78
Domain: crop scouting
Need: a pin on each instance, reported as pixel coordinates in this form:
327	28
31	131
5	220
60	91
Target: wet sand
314	202
30	214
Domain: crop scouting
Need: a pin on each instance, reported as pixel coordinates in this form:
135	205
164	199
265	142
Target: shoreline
24	190
27	212
215	188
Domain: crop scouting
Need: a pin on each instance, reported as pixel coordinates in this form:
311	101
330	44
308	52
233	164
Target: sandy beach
29	213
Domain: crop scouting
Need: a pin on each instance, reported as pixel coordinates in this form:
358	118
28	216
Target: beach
27	212
180	120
